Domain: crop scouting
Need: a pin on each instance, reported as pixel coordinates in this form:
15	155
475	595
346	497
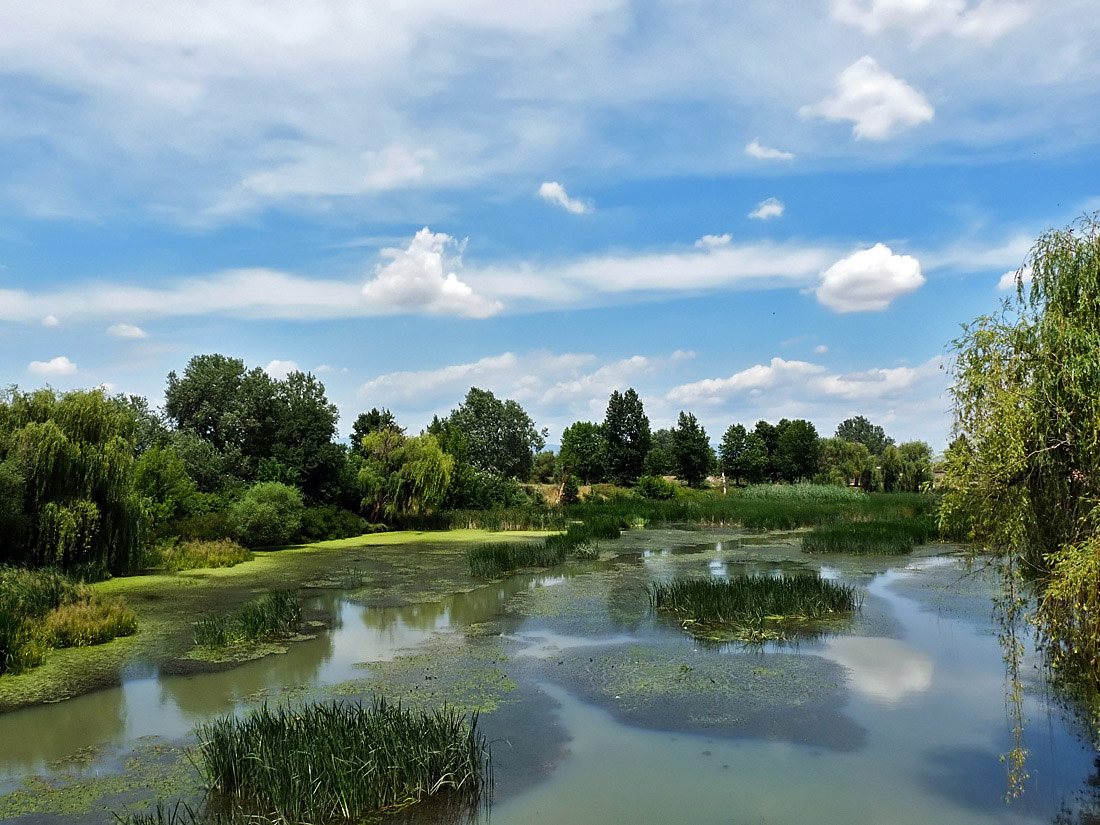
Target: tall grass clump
342	763
822	493
894	537
276	614
754	607
195	554
43	609
489	560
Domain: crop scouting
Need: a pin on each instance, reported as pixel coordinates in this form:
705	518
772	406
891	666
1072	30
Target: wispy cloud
553	192
755	149
126	331
768	208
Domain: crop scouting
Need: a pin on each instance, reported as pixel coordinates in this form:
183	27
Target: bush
267	514
212	526
328	521
656	488
190	555
570	490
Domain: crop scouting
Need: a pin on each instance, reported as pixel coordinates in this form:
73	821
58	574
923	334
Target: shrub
212	526
267	514
656	488
190	555
570	490
328	521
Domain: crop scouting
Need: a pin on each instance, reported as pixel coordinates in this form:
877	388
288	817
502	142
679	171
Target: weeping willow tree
66	480
402	475
1023	474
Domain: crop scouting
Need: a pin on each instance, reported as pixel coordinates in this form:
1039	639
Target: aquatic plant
893	537
342	762
191	555
754	607
276	614
829	493
488	560
40	609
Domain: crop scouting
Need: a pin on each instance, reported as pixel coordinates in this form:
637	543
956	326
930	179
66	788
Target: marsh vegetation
893	537
276	614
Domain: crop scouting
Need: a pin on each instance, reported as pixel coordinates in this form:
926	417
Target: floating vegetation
276	614
43	609
753	608
894	537
341	762
192	555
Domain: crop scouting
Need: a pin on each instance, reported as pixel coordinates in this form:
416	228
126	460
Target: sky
743	210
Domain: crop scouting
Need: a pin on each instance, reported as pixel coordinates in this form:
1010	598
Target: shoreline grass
754	608
343	762
197	554
44	609
580	539
276	614
895	537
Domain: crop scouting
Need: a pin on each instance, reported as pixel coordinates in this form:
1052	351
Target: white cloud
553	192
814	380
415	281
280	369
869	280
55	367
821	349
987	21
50	321
712	241
126	331
757	150
768	208
1015	276
876	102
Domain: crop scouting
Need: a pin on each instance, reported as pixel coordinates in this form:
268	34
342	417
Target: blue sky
746	210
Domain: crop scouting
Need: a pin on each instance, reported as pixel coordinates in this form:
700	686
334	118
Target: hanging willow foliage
66	480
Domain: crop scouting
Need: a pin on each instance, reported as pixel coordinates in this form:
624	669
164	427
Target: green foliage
845	463
894	537
570	490
327	521
691	452
500	437
173	554
542	470
268	514
40	609
655	487
626	435
906	467
859	430
68	479
660	460
402	475
804	493
743	455
276	614
757	607
583	451
161	478
343	762
372	422
798	451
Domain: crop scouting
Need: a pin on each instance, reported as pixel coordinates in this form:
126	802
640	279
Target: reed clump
894	537
276	614
489	560
343	762
193	555
754	608
43	609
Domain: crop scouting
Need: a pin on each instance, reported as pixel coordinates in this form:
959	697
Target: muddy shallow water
600	711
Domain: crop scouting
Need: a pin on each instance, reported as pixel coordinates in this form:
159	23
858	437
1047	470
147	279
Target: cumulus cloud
869	280
986	21
757	150
126	331
54	368
415	280
768	208
1015	276
280	369
877	103
50	321
712	241
553	192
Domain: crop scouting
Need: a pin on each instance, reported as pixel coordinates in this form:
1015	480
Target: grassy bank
194	555
754	607
330	763
43	609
